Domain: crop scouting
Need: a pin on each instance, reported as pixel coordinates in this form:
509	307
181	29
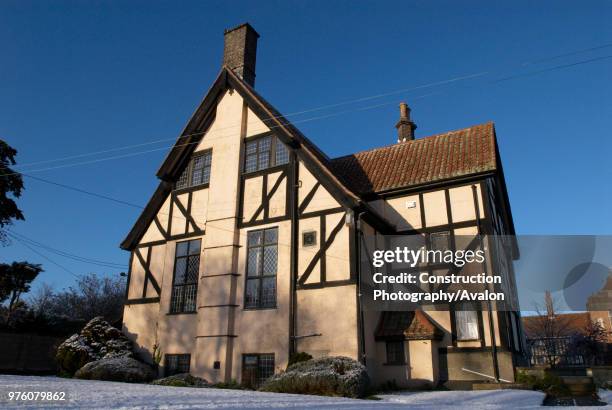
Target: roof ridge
397	144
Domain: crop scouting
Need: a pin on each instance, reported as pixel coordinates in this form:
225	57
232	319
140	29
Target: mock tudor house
248	251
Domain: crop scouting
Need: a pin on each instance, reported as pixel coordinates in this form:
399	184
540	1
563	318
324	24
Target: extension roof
408	325
421	161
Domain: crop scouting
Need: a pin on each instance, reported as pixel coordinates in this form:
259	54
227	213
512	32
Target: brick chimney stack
405	127
240	51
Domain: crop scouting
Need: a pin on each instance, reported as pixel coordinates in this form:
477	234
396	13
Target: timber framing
320	256
186	213
146	265
266	196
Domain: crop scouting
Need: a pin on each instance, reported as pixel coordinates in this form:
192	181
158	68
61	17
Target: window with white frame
466	325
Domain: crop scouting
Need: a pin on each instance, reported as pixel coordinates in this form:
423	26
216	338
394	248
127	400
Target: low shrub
328	376
182	380
233	384
117	369
298	357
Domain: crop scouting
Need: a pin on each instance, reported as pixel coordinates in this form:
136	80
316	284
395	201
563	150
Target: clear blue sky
87	76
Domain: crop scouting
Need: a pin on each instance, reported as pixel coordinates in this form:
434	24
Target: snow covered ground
96	394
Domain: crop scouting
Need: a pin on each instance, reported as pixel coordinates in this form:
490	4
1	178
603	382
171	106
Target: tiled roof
566	324
424	160
422	328
409	325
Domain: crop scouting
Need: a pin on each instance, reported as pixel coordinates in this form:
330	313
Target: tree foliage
16	279
11	185
548	331
92	296
590	344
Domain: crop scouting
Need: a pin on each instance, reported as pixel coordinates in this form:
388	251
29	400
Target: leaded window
186	273
395	352
440	241
176	364
197	172
264	152
262	261
257	368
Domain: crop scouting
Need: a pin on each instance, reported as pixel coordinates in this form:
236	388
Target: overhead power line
65	254
323	107
23	243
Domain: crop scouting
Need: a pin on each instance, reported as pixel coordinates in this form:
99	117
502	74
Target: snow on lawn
605	396
483	399
97	394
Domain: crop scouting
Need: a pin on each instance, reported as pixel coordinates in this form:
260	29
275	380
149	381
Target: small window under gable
264	152
197	171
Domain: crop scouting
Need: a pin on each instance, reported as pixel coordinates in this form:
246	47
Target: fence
559	350
28	353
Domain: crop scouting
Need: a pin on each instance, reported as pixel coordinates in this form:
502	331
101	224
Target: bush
298	357
549	383
182	380
117	369
233	384
328	376
97	340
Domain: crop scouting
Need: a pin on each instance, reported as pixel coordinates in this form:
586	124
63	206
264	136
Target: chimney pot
404	111
405	126
240	51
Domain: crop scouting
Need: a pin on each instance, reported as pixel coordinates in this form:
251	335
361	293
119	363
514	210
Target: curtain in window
467	324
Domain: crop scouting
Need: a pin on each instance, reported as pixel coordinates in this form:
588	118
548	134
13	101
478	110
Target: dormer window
264	152
197	172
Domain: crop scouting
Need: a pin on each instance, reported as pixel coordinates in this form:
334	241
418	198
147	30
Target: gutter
360	320
294	256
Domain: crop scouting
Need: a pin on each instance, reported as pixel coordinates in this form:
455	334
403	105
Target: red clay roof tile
436	158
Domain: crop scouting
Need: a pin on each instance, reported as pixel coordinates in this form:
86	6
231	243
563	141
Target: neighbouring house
248	250
555	338
602	299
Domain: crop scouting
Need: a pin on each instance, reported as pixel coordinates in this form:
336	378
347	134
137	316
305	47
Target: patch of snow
605	395
90	394
482	399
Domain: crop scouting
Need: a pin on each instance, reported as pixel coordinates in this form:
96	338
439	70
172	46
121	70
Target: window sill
261	308
190	189
181	313
265	170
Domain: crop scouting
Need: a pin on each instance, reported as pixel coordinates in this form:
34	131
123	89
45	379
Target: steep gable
267	116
